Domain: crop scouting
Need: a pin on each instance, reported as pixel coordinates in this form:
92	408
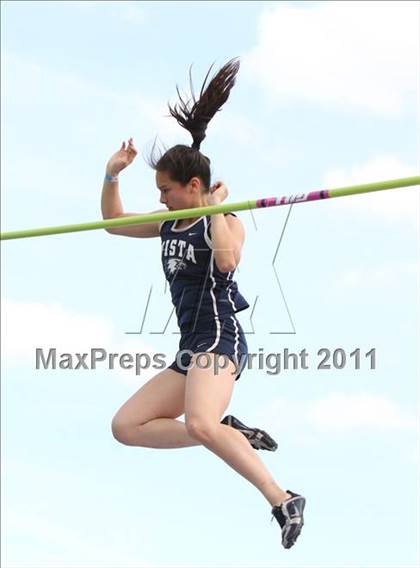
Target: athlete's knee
201	429
122	430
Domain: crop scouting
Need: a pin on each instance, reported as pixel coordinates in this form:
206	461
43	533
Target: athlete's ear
195	184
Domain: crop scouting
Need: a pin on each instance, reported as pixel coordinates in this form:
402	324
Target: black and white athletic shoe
290	518
258	439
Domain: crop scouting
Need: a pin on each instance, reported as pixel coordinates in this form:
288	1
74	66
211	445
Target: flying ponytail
184	162
195	118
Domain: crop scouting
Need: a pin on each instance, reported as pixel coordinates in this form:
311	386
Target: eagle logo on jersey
175	264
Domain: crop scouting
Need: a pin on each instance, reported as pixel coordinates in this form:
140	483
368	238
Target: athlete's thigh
161	397
207	392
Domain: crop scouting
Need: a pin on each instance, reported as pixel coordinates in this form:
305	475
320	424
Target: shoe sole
294	529
259	439
291	535
262	441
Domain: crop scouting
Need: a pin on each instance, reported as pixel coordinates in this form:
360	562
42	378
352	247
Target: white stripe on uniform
216	314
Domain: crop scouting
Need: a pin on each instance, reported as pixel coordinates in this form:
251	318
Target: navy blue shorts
223	336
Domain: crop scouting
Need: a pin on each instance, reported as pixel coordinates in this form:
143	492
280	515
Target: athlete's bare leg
206	397
148	418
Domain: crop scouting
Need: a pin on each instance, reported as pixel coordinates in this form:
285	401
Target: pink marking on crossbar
267	202
314	195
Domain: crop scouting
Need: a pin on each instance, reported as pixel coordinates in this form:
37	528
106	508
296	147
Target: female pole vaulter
199	258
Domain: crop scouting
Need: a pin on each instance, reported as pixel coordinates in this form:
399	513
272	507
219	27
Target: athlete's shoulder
165	225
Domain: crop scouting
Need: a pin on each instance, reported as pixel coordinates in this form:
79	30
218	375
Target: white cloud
237	126
30	325
387	276
347	412
45	527
336	413
50	86
76	550
359	54
53	88
393	205
50	533
239	130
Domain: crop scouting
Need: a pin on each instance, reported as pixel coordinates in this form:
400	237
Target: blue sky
320	101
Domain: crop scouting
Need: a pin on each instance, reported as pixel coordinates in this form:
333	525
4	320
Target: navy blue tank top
199	290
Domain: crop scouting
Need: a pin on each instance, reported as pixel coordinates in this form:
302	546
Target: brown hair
184	162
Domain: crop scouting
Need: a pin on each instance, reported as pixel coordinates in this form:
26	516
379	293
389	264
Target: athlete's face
177	196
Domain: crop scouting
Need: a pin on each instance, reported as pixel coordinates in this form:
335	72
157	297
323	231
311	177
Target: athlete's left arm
227	232
227	235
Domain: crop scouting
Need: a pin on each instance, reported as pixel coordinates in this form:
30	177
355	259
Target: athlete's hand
122	158
218	193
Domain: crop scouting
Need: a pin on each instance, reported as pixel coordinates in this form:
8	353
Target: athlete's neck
185	222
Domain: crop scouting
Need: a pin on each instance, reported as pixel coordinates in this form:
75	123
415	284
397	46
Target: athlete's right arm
111	202
112	209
